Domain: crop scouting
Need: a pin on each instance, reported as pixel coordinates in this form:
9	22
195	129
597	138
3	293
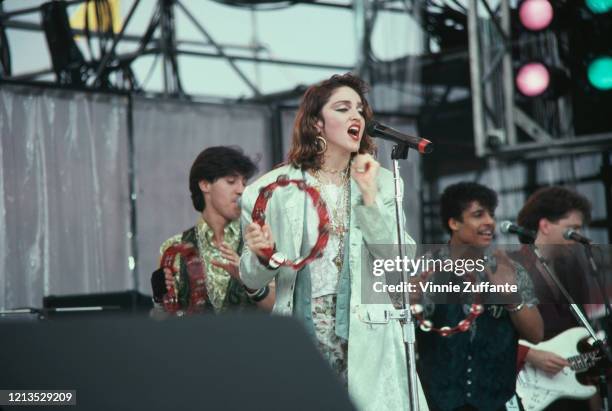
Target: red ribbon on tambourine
277	258
196	275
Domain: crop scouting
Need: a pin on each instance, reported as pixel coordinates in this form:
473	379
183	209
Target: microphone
571	234
158	284
375	129
507	227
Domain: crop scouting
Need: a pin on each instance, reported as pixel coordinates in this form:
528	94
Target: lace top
323	271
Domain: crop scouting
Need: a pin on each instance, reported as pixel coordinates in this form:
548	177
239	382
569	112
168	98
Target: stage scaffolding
160	39
497	118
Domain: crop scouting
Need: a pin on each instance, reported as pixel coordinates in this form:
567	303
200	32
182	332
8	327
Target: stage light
600	73
532	79
536	15
599	6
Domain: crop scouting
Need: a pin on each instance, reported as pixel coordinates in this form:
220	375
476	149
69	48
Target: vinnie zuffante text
421	265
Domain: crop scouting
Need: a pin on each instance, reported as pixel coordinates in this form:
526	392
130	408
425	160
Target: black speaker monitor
202	363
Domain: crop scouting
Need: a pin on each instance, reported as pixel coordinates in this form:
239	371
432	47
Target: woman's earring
322	144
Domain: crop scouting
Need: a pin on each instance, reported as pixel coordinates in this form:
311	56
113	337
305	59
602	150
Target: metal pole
172	57
475	75
408	322
132	182
359	17
220	51
6	16
580	317
164	45
267	61
606	177
508	76
502	31
172	81
116	40
364	16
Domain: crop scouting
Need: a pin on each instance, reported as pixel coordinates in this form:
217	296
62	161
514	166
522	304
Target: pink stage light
535	14
532	79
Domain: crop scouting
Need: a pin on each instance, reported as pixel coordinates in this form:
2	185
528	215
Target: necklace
332	170
340	214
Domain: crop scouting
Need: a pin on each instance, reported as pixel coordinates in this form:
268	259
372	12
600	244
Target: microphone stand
580	317
602	379
400	152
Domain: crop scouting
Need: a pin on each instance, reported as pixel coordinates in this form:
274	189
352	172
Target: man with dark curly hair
549	212
475	369
469	200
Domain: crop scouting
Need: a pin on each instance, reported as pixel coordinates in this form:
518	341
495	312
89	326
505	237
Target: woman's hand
364	171
258	239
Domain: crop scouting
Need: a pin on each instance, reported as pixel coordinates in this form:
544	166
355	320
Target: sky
304	33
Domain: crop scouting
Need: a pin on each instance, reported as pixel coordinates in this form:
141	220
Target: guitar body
538	389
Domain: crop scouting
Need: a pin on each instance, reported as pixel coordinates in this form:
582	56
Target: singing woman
332	153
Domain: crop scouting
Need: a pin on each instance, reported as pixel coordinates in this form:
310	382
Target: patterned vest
477	367
235	299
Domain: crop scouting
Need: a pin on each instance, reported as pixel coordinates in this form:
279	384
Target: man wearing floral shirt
216	181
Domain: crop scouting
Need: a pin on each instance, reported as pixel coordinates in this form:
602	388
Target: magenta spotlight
532	79
535	14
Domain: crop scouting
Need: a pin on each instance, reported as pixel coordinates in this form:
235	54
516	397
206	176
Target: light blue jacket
377	373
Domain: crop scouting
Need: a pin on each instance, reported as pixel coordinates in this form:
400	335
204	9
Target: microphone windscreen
504	227
371	127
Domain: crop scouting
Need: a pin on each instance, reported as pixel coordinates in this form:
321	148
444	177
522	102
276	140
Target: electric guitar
538	389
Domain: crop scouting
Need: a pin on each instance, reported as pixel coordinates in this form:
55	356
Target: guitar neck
582	362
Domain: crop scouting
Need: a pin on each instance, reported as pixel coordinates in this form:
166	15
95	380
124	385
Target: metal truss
496	115
166	45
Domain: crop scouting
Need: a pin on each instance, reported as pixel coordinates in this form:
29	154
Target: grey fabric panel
167	138
64	198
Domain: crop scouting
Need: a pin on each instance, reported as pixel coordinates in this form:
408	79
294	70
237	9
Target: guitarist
549	212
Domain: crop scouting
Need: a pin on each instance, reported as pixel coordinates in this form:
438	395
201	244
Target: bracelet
257	295
275	260
514	308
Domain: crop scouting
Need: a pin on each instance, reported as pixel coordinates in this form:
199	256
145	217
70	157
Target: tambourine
464	325
476	309
276	258
196	275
